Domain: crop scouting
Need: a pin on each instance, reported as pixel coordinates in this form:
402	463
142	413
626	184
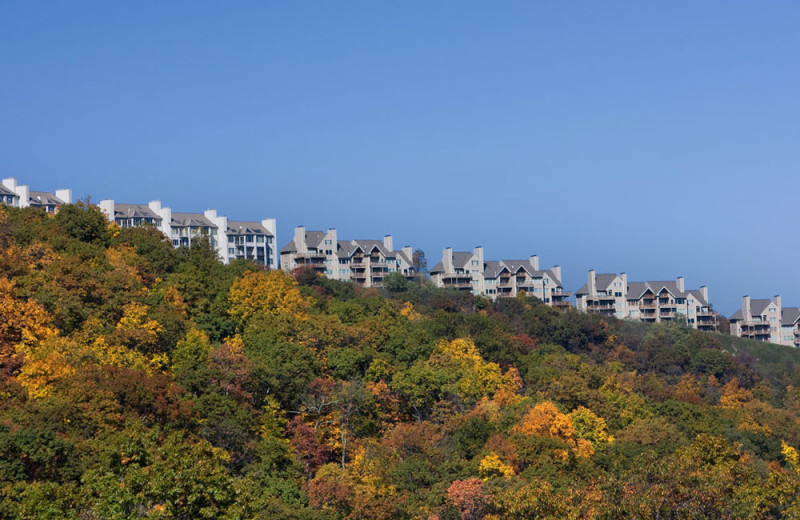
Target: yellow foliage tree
475	378
733	396
136	330
23	323
264	294
581	429
491	467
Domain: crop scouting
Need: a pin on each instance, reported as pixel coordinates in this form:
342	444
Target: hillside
139	381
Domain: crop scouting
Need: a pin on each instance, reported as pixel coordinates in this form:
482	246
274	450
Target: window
260	239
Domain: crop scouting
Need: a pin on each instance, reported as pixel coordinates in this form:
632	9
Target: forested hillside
139	381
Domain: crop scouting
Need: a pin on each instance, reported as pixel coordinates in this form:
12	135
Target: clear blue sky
655	139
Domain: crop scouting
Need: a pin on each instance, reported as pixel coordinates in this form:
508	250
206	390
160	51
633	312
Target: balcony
459	285
457	276
601	297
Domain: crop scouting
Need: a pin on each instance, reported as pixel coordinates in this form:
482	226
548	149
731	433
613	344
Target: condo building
232	239
767	320
20	196
469	271
363	262
650	302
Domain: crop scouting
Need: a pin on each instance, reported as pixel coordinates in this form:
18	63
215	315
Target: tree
420	262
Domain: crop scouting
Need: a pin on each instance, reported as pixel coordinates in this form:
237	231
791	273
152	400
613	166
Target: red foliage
469	497
312	453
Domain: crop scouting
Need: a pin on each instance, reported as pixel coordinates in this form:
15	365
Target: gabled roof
191	219
313	239
602	282
134	210
369	245
637	289
515	265
346	248
402	254
460	260
239	227
492	269
43	198
698	295
791	315
757	307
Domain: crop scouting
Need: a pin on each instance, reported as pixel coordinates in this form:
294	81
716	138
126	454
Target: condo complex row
368	262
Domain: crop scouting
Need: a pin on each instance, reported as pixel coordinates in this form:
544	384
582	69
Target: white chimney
591	283
679	282
271	225
746	316
65	195
535	262
447	260
778	304
409	253
557	271
624	277
388	242
300	239
108	208
24	193
10	183
704	292
211	214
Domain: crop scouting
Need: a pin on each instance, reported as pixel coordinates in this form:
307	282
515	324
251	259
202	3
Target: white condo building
767	320
232	239
656	301
363	262
20	196
467	270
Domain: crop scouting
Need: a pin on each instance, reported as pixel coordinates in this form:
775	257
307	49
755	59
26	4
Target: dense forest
140	381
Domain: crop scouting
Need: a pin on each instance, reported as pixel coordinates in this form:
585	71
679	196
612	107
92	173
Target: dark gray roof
757	307
313	239
43	198
492	269
460	260
134	210
6	191
191	219
346	248
602	282
238	227
369	245
791	315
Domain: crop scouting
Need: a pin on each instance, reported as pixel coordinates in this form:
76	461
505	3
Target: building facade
232	239
363	262
20	196
469	271
767	320
651	302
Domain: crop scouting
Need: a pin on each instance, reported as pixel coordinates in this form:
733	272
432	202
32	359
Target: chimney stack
557	271
704	292
24	193
447	259
746	316
679	282
591	283
535	262
479	253
300	239
65	195
108	208
388	243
